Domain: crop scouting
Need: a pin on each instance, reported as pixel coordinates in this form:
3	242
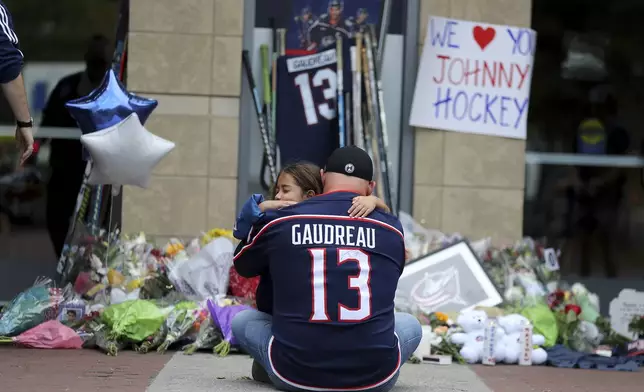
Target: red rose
574	308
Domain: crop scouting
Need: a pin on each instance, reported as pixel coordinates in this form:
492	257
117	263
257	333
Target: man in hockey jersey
322	33
334	279
360	21
304	22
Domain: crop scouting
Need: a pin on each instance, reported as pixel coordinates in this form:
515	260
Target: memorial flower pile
127	292
526	275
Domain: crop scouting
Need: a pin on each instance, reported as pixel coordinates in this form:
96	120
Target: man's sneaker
259	374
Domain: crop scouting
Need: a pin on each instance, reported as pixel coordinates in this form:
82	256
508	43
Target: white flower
514	294
593	299
96	263
435	340
579	289
552	286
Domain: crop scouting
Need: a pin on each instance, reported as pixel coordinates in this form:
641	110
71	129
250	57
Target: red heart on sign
482	36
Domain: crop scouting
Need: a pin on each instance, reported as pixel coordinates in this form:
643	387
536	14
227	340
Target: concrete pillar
466	183
187	54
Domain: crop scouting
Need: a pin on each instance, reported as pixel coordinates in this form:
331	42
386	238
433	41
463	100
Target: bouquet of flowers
577	313
181	319
208	237
207	337
222	315
133	321
39	303
153	341
496	264
204	275
440	325
96	333
50	334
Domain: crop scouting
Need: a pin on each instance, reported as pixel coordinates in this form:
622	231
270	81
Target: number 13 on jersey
360	282
326	79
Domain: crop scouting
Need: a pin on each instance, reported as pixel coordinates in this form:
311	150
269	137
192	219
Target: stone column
471	184
187	54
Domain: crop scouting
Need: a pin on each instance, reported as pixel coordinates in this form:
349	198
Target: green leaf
571	317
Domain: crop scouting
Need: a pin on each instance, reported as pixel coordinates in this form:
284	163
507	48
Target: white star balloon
125	153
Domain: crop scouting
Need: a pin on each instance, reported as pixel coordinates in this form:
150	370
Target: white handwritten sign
628	303
474	78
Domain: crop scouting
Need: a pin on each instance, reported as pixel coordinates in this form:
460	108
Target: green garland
636	325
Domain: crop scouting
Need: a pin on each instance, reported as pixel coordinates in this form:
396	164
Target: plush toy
511	342
473	323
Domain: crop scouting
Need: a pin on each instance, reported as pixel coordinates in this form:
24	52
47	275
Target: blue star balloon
108	105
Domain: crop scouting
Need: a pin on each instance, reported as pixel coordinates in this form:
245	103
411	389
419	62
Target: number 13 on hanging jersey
307	126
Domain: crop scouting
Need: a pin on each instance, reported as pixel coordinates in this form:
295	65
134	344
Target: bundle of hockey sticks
361	113
266	108
360	110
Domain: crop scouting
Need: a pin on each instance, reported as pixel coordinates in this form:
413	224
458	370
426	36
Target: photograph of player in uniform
304	22
360	20
316	23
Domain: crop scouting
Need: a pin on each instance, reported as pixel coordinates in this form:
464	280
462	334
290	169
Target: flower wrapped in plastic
180	321
419	241
39	303
496	264
223	315
153	341
213	234
48	335
133	321
96	334
205	275
208	336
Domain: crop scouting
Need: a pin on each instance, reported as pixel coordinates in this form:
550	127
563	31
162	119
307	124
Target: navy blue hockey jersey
11	58
307	122
334	281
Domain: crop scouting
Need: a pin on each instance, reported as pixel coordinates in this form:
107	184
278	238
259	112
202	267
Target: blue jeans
253	330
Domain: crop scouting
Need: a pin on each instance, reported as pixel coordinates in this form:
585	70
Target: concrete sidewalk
204	372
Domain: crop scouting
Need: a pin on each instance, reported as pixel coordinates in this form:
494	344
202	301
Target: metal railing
531	157
44	132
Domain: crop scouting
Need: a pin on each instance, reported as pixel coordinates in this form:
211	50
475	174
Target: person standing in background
66	159
13	85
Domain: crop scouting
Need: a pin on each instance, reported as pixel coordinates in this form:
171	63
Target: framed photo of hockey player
315	23
448	280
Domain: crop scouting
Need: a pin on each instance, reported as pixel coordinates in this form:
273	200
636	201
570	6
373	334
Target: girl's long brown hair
305	174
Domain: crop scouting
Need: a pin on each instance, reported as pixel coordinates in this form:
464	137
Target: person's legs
409	334
253	331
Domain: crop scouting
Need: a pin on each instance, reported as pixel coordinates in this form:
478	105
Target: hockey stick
340	95
356	62
383	29
383	135
260	118
273	85
379	145
347	118
266	111
370	124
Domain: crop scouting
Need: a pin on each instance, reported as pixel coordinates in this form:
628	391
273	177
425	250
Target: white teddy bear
473	323
511	342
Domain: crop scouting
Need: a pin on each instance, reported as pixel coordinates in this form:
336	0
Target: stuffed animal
511	342
473	323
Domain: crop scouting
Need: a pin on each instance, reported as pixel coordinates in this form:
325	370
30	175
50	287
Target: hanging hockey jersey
307	123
